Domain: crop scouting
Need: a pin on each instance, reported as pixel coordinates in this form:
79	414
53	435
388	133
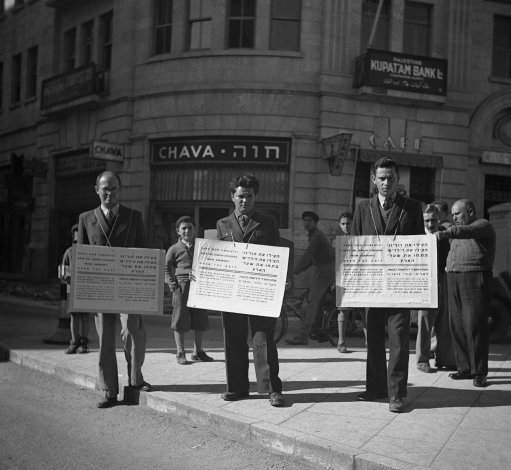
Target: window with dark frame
69	56
382	36
285	25
32	64
501	53
87	42
16	79
417	28
241	24
106	34
162	26
199	24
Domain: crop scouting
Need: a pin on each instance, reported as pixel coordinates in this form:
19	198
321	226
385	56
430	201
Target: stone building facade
181	95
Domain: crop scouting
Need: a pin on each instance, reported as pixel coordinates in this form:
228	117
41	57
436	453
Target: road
47	424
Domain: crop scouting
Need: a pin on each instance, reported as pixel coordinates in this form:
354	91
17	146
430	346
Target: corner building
179	96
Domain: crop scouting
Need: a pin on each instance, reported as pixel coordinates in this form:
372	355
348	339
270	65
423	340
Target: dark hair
312	215
345	215
384	162
245	181
442	205
108	172
185	219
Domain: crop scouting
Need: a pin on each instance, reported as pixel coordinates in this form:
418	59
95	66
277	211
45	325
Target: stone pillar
459	44
500	218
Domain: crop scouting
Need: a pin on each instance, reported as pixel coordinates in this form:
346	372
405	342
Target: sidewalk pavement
449	425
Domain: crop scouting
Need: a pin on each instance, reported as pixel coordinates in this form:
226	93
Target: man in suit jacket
114	225
387	213
247	225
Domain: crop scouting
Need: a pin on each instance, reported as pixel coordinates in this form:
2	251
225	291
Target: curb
329	455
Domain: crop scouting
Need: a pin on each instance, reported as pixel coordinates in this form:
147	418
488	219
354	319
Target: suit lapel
121	223
253	223
237	233
395	215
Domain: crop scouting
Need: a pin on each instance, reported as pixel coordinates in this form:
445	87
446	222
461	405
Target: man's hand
172	285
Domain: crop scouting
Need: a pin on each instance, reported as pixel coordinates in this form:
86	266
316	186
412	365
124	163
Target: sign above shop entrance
189	150
106	151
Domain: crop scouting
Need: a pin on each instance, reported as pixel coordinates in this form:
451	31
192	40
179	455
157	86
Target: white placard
238	277
387	271
117	280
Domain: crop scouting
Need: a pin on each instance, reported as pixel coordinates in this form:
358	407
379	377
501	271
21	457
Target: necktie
243	221
387	204
109	216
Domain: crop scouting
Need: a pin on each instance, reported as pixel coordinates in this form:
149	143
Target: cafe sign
219	149
403	72
102	150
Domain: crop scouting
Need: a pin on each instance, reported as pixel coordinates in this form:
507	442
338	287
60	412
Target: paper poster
238	277
386	271
117	280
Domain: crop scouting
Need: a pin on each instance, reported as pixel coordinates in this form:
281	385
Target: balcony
392	74
84	87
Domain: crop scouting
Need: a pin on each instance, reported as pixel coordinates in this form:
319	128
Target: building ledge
87	102
401	95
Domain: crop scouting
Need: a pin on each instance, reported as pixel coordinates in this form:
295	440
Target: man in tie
247	225
112	224
387	213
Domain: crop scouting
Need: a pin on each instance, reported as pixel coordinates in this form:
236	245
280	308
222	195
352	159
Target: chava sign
101	150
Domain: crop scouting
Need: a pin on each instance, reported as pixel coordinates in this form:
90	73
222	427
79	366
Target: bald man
112	224
469	273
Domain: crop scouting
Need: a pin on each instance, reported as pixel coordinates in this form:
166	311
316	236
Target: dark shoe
107	402
368	396
424	367
342	348
83	348
181	358
201	356
234	396
72	349
297	341
276	399
144	387
397	405
460	375
439	365
480	381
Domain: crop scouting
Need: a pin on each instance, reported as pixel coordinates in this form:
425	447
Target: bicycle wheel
280	326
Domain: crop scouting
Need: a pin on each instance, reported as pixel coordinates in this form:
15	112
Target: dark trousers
380	379
469	299
133	338
266	360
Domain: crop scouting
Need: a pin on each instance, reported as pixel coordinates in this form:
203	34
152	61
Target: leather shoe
368	396
234	396
424	367
107	402
396	405
181	358
72	349
201	356
144	386
480	381
297	341
276	399
460	375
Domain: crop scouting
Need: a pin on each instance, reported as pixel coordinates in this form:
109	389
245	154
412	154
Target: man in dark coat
247	225
387	213
112	224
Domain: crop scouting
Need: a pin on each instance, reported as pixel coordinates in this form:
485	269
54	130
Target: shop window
162	26
16	79
31	88
422	184
381	38
417	28
241	24
87	42
285	25
106	39
199	24
501	65
69	54
497	189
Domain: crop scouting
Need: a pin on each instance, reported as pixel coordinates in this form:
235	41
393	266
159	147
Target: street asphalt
448	425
